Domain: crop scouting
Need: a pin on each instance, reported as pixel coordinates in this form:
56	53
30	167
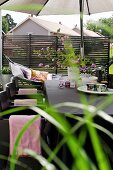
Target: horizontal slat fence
24	49
95	48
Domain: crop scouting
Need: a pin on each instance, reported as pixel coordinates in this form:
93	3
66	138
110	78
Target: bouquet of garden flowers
66	56
88	69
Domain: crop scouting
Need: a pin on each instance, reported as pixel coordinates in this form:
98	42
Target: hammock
27	75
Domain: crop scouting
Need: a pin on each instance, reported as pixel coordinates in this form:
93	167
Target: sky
69	21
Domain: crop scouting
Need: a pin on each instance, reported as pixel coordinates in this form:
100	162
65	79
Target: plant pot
5	79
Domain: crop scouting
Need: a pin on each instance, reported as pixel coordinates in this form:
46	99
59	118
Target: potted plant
5	76
6	70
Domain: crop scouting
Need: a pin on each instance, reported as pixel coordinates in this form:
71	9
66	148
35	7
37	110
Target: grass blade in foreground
78	153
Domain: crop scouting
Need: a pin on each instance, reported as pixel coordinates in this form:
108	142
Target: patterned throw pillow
26	72
20	70
39	75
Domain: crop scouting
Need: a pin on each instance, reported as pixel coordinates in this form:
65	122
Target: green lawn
111	69
111	52
111	56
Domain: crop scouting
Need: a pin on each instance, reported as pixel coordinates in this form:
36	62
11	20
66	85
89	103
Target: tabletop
56	95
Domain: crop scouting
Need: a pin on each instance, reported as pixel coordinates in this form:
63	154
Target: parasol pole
0	40
81	3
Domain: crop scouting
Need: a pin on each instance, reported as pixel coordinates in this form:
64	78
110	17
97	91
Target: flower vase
70	72
73	74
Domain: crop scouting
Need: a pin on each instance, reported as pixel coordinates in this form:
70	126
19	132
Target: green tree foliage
92	25
7	23
103	26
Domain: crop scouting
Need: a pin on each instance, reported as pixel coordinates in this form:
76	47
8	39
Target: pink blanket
27	91
31	137
25	102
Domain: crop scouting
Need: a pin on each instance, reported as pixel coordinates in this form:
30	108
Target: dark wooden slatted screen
37	43
16	47
24	49
95	48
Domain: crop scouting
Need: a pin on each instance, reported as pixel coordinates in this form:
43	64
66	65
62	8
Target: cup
91	86
101	87
67	83
61	83
72	83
